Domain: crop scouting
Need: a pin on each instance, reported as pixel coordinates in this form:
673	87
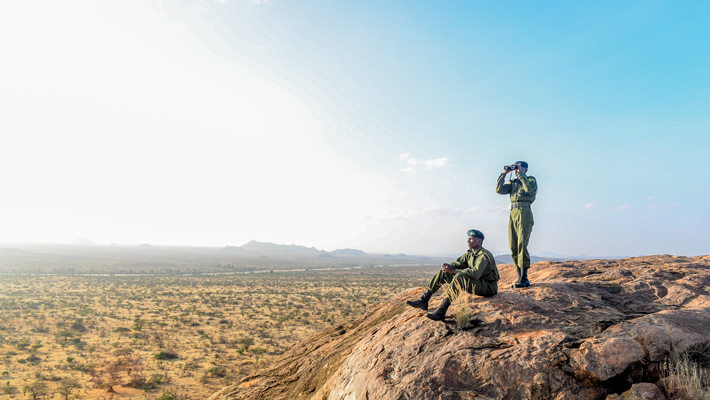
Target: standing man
475	272
522	191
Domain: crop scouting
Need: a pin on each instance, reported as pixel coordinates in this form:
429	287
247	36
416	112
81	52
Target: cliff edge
584	330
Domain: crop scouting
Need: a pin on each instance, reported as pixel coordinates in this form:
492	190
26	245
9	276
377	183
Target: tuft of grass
462	310
684	377
463	317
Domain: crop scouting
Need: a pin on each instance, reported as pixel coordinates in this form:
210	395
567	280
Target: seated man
475	272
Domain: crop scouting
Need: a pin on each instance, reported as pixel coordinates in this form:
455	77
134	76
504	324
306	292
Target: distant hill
348	252
265	247
154	259
232	248
29	258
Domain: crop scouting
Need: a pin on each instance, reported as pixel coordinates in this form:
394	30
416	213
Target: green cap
522	164
475	233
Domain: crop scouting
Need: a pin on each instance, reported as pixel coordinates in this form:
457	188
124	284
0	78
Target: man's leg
439	279
513	235
524	229
435	283
460	282
513	239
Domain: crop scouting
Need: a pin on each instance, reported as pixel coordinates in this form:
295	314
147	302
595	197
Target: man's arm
481	267
459	261
501	186
529	183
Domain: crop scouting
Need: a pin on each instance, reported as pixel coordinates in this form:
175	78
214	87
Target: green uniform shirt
522	189
482	264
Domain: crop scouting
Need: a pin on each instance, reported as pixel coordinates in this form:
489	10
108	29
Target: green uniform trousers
520	227
463	280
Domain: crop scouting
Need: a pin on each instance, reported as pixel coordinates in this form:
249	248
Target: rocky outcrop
584	330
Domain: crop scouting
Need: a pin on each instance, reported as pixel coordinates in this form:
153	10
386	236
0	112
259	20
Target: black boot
440	313
524	282
423	301
519	281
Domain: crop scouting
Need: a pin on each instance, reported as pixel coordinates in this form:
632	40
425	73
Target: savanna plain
171	336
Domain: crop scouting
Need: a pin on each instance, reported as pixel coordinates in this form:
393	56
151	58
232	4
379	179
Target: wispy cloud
623	208
590	205
430	163
436	162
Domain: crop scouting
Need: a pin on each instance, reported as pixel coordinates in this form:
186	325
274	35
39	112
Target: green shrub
167	395
165	355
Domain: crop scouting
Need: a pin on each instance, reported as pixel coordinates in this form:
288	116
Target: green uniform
522	191
478	275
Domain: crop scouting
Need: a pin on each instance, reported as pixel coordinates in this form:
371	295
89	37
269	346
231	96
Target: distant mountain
348	252
326	255
233	248
265	247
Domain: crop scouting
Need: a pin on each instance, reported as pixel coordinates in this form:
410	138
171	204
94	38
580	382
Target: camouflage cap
475	233
522	164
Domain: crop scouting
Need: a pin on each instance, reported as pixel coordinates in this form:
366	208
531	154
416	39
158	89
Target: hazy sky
376	125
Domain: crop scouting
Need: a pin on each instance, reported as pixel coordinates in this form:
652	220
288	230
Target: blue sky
376	125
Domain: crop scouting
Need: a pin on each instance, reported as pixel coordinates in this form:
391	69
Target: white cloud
651	198
436	162
623	208
590	205
430	163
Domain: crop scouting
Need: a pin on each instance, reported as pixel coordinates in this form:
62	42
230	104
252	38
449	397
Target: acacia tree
67	386
258	352
246	341
36	389
9	389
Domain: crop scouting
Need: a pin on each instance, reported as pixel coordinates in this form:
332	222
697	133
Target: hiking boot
519	281
440	313
524	282
423	301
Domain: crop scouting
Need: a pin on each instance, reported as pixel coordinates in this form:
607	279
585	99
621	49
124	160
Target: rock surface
584	330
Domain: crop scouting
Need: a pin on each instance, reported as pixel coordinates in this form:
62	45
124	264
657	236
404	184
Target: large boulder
583	330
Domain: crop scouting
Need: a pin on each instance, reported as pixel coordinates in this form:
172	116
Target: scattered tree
36	389
67	386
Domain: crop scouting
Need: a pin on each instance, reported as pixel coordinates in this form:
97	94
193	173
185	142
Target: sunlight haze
368	125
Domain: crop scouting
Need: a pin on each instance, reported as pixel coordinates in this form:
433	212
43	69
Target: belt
519	204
